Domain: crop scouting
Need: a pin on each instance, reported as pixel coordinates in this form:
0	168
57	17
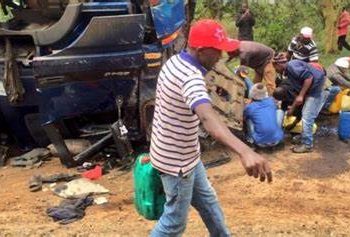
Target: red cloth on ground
94	173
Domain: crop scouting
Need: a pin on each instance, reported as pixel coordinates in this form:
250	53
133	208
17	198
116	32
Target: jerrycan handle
145	160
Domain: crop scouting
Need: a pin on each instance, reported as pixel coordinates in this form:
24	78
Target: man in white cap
302	46
338	74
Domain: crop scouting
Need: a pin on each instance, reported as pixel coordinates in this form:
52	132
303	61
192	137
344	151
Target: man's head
306	34
207	39
280	93
259	92
244	7
279	62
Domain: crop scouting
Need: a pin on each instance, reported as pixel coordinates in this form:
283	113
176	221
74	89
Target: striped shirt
305	52
180	89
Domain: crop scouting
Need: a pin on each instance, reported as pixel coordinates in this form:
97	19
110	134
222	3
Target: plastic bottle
149	196
280	114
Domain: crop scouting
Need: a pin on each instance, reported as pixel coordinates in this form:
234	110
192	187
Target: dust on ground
310	196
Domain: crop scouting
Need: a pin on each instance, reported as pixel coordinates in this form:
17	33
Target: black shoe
302	149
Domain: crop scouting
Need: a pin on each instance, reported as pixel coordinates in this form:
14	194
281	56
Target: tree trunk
330	10
214	8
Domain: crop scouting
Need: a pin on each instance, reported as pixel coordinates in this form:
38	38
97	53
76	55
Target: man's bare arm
254	164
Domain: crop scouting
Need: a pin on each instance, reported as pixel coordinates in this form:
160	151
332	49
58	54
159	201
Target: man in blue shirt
308	81
261	115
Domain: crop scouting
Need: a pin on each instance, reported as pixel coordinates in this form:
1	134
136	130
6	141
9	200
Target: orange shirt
343	23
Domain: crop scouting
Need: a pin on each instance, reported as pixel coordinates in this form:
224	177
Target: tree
330	11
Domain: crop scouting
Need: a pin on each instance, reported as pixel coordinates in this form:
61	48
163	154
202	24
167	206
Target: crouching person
339	76
263	127
308	81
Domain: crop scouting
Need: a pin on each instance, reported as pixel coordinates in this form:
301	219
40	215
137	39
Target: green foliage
278	23
328	59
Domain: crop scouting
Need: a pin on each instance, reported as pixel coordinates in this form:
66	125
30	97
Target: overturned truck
70	67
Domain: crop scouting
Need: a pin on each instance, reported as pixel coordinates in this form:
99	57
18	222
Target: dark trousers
342	43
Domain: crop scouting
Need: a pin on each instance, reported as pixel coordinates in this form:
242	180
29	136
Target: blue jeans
181	192
333	92
249	84
311	109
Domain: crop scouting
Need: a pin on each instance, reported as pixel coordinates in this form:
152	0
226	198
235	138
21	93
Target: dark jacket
245	23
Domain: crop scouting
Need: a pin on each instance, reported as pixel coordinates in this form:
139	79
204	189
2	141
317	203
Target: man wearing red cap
182	102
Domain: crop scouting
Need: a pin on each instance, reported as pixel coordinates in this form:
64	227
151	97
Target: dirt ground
310	196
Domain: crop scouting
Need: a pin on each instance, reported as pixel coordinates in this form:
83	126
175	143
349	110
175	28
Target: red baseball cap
208	33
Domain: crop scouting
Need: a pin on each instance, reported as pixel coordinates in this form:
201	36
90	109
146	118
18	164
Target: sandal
35	183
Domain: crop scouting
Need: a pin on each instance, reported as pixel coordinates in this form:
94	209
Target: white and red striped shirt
174	141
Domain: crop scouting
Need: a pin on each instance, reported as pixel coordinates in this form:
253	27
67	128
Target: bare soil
310	196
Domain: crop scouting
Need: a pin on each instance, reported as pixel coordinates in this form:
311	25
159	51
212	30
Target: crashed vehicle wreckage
69	65
66	64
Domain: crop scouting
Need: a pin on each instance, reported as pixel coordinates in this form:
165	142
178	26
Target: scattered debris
30	159
100	200
36	181
75	146
93	174
3	155
70	210
86	166
77	188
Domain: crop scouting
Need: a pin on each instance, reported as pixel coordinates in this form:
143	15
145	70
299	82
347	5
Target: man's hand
245	14
290	110
299	100
256	166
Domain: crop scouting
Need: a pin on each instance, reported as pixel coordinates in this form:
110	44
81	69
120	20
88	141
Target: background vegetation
278	21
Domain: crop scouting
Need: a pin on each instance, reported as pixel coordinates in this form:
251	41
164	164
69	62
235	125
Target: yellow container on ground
288	120
341	102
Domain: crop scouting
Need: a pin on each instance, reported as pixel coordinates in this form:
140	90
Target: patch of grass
328	59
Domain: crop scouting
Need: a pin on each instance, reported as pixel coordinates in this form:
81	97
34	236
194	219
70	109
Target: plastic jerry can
149	196
288	120
344	125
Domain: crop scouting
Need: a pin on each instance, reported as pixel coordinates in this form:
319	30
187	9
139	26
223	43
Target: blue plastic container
344	125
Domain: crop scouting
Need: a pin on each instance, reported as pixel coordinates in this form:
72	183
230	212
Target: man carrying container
182	102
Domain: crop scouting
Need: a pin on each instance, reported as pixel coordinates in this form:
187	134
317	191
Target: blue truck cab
66	60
